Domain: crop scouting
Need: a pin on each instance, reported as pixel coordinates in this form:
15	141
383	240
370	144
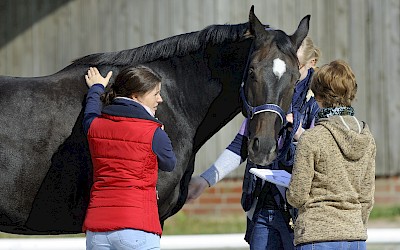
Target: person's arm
368	188
162	147
96	84
229	160
93	106
299	188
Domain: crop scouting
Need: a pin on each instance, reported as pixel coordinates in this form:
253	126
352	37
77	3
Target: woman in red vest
127	145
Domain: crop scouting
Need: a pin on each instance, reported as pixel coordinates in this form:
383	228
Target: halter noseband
268	107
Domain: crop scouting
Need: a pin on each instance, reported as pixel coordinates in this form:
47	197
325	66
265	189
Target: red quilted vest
125	172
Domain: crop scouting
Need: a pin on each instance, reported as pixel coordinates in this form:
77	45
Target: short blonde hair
334	84
310	51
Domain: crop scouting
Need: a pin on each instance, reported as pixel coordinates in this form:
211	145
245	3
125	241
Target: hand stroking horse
45	165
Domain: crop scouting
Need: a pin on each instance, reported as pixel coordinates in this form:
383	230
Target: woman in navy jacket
268	218
127	145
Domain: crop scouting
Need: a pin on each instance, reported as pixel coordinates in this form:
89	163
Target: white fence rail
188	242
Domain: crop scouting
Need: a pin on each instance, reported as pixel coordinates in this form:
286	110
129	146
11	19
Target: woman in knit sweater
333	178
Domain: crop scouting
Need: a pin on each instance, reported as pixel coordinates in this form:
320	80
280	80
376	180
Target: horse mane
173	46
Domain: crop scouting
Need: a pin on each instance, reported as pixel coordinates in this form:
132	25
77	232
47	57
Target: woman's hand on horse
197	185
93	76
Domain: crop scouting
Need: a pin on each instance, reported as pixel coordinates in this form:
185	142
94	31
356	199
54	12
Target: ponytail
108	96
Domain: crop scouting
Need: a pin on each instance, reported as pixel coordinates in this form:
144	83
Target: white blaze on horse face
279	67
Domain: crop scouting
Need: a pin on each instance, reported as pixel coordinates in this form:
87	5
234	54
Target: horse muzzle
262	151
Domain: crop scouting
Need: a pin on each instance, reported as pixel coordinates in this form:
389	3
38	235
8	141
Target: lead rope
286	153
298	106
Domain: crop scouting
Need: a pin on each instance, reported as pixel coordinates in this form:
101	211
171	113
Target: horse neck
227	63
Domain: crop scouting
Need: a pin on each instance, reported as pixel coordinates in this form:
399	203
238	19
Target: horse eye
251	72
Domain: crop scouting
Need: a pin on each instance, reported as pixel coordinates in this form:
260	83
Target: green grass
385	212
181	223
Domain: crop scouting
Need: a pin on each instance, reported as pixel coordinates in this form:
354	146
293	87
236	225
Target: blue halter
268	107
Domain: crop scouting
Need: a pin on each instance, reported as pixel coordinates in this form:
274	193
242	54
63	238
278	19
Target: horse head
268	86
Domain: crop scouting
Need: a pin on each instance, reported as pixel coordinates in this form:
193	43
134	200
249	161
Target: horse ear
301	32
256	27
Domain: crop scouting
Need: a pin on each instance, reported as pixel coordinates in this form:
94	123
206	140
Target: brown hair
133	80
334	84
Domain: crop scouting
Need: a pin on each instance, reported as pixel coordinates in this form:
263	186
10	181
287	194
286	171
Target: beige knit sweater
333	181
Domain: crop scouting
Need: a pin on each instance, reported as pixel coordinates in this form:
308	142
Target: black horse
45	164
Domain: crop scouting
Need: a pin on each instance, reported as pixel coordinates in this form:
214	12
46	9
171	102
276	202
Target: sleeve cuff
225	164
211	175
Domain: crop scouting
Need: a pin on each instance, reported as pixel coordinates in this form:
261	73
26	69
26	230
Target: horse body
40	149
44	153
45	162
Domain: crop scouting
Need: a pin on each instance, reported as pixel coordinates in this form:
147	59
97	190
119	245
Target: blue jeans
270	232
334	245
122	240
